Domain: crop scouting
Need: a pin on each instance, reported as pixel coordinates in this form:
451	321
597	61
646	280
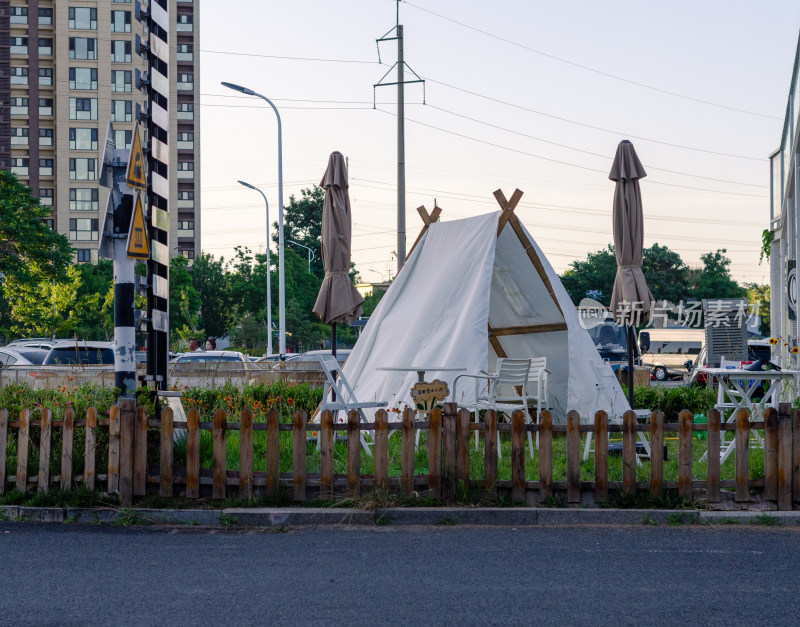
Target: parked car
33	342
666	351
80	352
210	357
15	357
309	360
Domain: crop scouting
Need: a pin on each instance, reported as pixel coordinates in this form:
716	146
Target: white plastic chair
504	391
336	385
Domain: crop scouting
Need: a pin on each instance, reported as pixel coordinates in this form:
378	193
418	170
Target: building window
83	199
186	166
51	224
18	45
19	106
83	229
84	255
19	75
19	166
83	48
46	196
121	1
45	167
185	137
82	18
185	111
45	106
19	136
121	111
45	136
83	169
83	108
189	254
121	81
83	78
45	46
185	81
185	22
45	17
120	51
186	195
186	225
120	21
45	77
122	139
19	15
83	139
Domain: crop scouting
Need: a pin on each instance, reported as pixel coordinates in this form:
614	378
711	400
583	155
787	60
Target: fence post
742	456
246	455
629	453
381	450
573	457
140	453
407	452
299	456
600	456
114	427
685	454
67	433
44	450
656	453
353	453
462	448
490	453
3	447
771	454
193	454
449	461
23	437
165	471
220	455
126	437
273	464
796	455
545	455
785	457
89	449
435	454
326	454
712	456
518	455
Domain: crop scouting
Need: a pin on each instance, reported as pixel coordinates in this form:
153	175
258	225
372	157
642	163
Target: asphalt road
62	574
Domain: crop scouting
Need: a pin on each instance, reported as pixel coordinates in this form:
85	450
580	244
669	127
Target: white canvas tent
466	296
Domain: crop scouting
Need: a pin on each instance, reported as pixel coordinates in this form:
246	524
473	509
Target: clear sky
520	94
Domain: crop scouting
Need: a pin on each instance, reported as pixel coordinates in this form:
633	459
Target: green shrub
698	400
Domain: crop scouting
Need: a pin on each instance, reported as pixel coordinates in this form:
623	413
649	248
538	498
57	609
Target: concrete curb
399	516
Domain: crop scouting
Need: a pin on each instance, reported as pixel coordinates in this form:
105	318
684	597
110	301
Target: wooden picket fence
448	440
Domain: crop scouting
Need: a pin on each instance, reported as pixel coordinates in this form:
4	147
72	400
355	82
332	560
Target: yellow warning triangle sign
136	177
138	246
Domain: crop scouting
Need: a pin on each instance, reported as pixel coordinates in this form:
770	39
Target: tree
758	297
714	280
666	274
212	283
29	249
302	222
96	283
593	277
184	301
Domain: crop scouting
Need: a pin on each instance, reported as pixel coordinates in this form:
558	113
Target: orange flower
290	401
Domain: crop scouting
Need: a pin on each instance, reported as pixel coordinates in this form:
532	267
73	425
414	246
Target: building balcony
45	141
185	56
185	204
19	110
19	170
185	145
18	20
46	171
19	141
45	111
185	174
185	28
45	81
185	86
19	80
18	50
47	201
186	115
185	232
46	51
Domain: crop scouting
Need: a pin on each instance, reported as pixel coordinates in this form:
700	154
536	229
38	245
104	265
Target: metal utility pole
401	137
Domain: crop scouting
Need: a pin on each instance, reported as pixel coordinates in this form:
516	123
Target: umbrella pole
631	339
333	352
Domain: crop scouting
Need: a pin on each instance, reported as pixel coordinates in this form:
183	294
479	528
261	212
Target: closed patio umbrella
338	301
630	288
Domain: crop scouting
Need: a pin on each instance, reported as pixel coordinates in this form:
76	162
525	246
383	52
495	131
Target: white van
666	351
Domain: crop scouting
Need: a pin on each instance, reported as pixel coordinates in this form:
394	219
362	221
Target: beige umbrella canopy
338	301
630	287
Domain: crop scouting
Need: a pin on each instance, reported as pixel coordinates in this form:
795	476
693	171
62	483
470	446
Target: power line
588	152
591	69
573	165
288	58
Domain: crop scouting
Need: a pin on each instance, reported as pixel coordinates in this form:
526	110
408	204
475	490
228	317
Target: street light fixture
310	252
269	289
281	282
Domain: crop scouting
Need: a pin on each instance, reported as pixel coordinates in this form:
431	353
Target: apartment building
67	67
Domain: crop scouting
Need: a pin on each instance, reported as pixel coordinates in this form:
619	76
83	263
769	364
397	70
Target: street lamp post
269	289
310	252
281	282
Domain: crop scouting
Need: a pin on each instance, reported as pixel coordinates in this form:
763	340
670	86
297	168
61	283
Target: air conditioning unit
726	329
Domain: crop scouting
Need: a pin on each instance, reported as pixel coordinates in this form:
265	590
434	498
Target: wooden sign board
428	396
